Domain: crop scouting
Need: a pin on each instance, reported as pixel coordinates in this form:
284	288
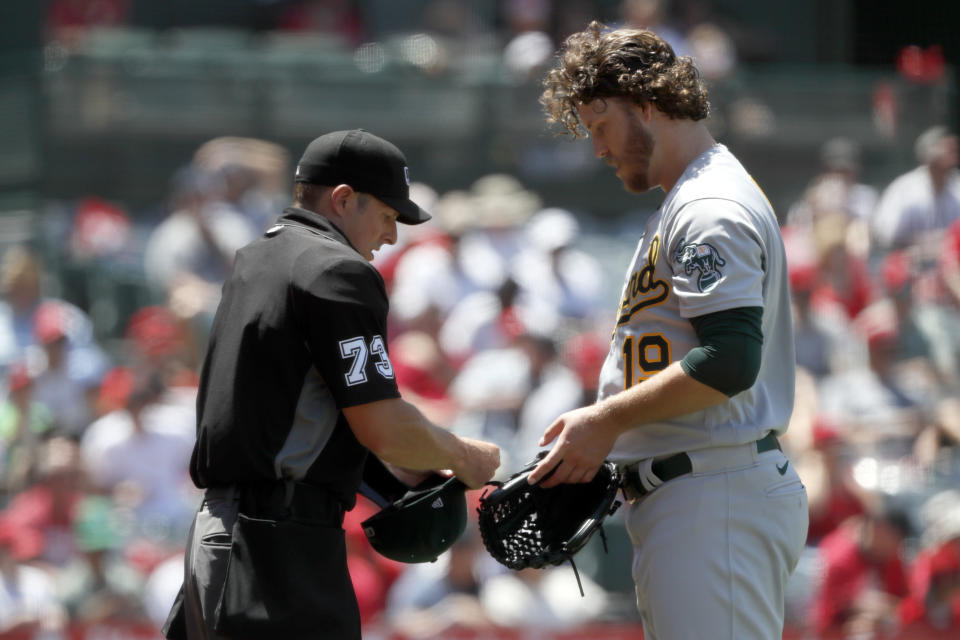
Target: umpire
296	389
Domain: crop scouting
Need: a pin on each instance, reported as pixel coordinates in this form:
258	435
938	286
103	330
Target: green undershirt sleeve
728	358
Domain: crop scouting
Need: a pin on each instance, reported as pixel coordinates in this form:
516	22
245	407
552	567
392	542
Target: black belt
676	466
281	501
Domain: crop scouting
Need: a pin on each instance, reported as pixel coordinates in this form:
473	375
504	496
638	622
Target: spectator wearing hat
490	389
864	575
554	388
824	261
48	508
941	317
843	273
584	354
901	341
501	205
487	320
898	274
506	393
496	306
713	47
20	288
66	385
424	373
934	601
556	276
101	230
922	203
24	423
870	402
253	173
949	264
100	585
28	600
836	187
190	253
529	45
429	278
813	340
53	337
828	283
140	453
897	308
654	15
938	445
826	471
161	341
21	279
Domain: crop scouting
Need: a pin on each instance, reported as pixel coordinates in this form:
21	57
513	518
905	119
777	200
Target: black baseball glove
525	525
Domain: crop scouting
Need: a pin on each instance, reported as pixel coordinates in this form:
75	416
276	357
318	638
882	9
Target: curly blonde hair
625	63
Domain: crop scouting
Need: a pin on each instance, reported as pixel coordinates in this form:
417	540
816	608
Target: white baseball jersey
714	244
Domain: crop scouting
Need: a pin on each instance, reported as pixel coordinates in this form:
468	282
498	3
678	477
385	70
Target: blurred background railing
132	103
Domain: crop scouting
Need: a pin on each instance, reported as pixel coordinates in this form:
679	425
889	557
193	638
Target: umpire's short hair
306	194
624	63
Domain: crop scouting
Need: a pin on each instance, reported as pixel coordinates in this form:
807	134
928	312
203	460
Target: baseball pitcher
699	379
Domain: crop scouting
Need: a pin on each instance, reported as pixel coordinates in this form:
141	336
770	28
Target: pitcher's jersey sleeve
344	314
717	257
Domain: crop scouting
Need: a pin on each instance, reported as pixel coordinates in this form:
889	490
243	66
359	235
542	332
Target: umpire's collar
305	218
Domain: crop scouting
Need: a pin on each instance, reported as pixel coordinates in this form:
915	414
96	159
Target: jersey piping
314	420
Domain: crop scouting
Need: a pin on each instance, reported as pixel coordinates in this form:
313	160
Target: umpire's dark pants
207	555
207	559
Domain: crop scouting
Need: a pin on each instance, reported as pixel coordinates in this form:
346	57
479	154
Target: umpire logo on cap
368	163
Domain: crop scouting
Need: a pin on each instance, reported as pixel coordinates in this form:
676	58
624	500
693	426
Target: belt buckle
633	491
633	497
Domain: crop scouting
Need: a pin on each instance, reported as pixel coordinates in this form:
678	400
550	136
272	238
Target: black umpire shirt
300	333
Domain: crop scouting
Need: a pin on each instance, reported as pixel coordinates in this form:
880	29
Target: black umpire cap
367	163
422	524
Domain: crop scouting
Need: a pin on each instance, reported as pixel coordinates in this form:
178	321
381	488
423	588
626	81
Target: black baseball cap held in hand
367	163
422	524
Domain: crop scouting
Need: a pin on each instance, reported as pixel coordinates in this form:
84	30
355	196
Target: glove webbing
529	537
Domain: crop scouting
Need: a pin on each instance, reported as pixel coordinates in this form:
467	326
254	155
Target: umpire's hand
399	434
478	462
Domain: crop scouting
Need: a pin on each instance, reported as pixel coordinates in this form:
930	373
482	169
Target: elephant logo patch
704	259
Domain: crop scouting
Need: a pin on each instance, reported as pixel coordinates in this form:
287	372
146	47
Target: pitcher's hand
583	442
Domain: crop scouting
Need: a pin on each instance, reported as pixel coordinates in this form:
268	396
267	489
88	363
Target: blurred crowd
500	315
877	417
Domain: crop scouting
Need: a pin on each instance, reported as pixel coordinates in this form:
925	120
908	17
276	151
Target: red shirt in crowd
849	573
